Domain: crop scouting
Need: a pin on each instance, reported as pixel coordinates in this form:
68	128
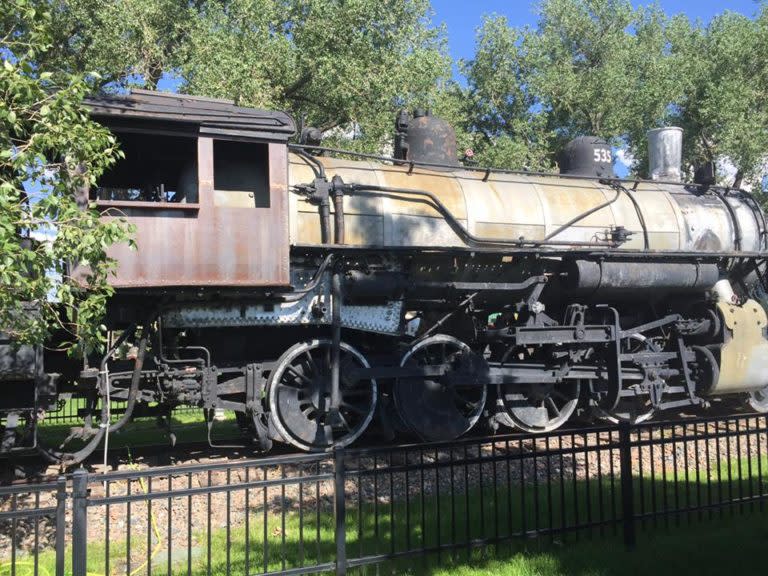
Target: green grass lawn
188	425
722	541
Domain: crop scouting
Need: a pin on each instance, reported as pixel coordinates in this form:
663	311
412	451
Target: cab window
156	168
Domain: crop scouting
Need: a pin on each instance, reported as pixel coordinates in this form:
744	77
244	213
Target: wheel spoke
344	422
553	405
298	389
327	367
296	373
312	365
442	412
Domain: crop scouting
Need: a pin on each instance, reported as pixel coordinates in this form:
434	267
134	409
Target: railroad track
24	466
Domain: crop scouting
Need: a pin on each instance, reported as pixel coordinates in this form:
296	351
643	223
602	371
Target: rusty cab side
205	183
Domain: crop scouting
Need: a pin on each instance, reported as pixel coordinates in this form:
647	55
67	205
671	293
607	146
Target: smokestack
665	153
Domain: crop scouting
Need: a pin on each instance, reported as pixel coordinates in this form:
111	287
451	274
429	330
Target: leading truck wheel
439	408
300	397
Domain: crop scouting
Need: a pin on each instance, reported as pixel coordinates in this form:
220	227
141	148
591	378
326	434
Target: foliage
724	106
599	66
343	66
590	67
48	150
129	42
603	67
499	109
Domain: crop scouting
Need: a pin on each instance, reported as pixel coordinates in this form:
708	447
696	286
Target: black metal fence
370	506
70	410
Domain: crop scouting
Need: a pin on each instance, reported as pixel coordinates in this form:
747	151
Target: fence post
79	522
627	487
340	512
61	523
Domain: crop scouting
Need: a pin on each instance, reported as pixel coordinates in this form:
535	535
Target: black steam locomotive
318	293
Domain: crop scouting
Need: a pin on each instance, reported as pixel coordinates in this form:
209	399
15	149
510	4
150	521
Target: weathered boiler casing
514	206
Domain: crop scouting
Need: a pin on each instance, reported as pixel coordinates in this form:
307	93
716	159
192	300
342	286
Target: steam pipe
314	163
299	148
71	458
583	215
459	228
324	205
337	185
640	216
336	291
325	222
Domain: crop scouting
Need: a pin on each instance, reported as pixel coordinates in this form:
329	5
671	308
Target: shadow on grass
188	427
563	527
715	521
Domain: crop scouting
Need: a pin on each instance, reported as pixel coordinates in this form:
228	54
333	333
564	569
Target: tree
596	67
343	66
129	42
724	105
499	110
49	148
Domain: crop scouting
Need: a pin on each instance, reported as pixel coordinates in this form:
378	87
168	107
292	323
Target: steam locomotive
319	293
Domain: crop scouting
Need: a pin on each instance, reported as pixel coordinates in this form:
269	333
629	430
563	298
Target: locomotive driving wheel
447	406
635	408
300	397
536	407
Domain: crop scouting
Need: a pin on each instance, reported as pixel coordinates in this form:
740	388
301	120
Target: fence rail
71	409
359	507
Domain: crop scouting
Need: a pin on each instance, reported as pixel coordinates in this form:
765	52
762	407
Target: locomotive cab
205	184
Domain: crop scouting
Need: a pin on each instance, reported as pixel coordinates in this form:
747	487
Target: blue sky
462	18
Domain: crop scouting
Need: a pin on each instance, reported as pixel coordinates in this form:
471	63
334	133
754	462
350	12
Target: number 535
602	155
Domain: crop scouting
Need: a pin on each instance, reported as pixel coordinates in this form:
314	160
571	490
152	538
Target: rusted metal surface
210	116
208	245
432	140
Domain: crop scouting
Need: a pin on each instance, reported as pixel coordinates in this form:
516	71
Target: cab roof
189	114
